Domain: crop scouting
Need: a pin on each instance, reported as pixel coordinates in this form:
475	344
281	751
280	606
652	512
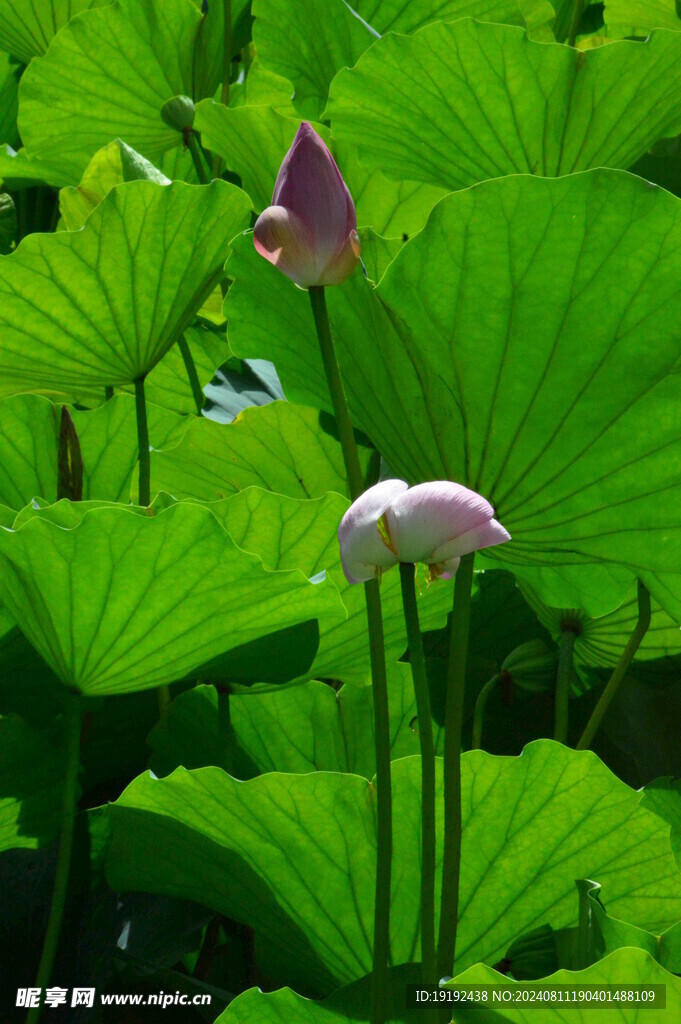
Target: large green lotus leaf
31	769
396	16
105	76
163	593
663	797
111	166
29	447
256	851
638	17
280	446
9	86
311	40
298	729
625	966
26	30
18	170
288	534
262	87
600	641
308	42
253	141
605	933
503	103
478	359
104	304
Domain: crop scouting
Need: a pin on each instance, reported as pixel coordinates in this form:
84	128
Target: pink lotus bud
435	523
310	230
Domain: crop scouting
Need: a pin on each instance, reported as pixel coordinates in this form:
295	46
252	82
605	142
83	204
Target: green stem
337	392
218	164
227	51
577	13
190	367
144	498
192	144
425	726
381	954
620	670
456	678
479	713
224	727
68	816
143	444
563	682
163	697
384	809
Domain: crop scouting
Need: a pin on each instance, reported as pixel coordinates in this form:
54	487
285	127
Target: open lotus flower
435	523
310	230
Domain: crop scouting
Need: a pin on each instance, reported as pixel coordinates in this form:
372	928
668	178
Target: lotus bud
435	523
310	230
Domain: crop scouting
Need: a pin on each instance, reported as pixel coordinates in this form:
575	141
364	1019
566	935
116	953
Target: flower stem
72	725
143	444
384	806
425	727
479	713
563	678
190	367
381	953
144	498
620	669
456	678
337	392
192	145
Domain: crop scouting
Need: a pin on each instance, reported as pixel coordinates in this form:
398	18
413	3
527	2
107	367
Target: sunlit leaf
111	166
558	110
638	17
26	30
574	442
290	534
29	444
105	76
166	593
104	304
253	851
281	447
600	641
297	729
625	967
254	140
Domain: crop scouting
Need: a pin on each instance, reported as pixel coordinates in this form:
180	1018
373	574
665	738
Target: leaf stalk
381	950
620	669
456	678
425	729
72	725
